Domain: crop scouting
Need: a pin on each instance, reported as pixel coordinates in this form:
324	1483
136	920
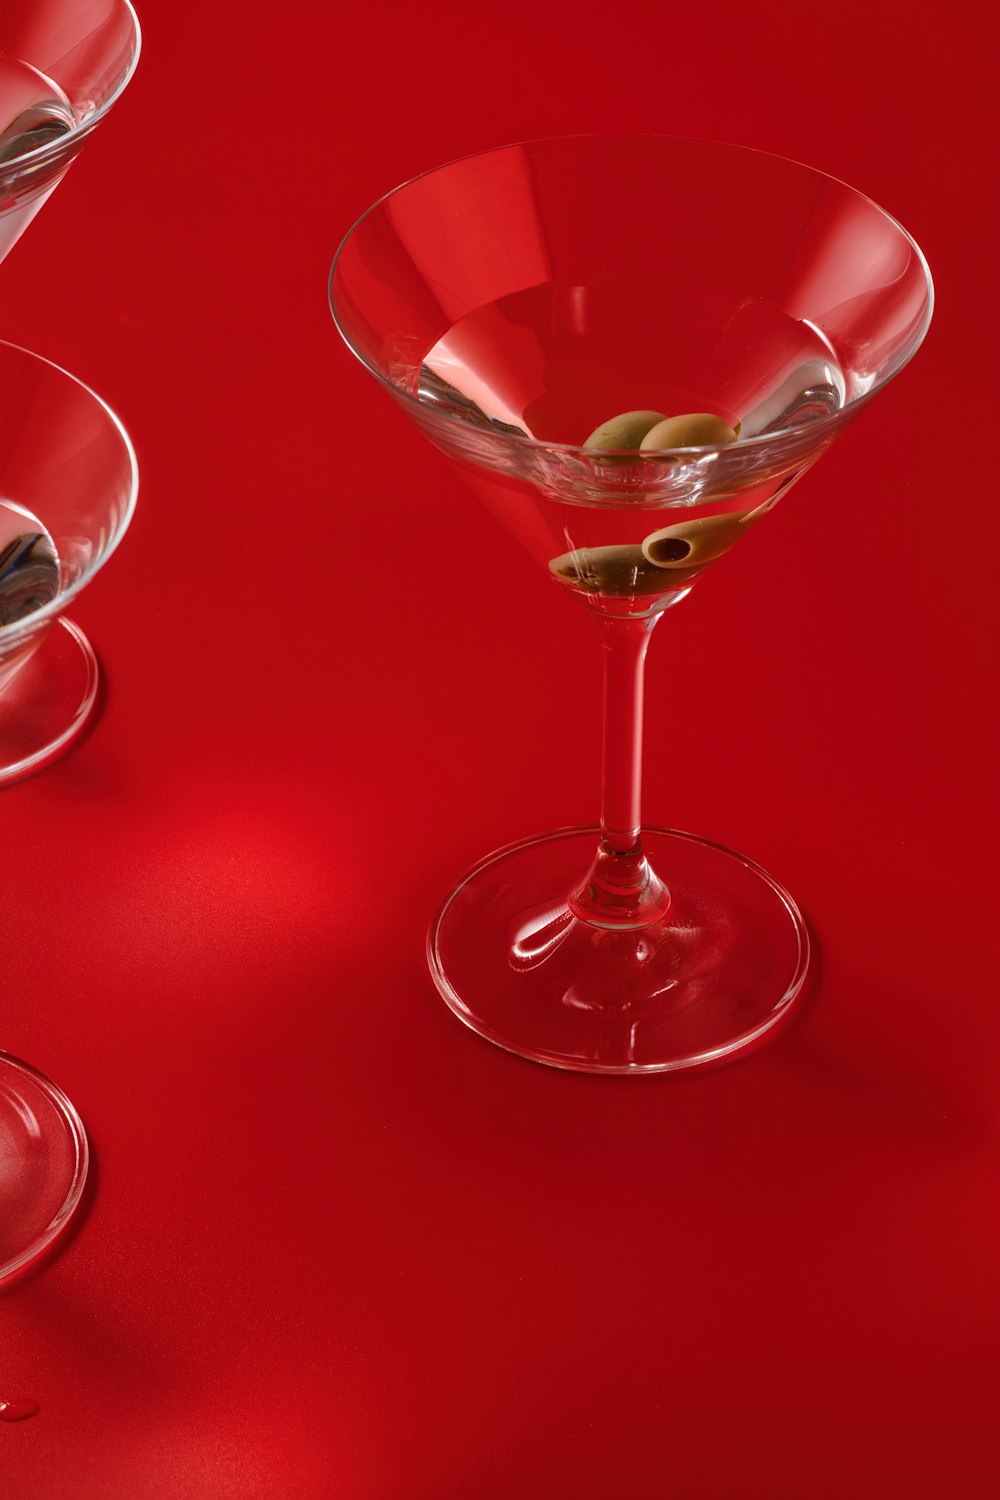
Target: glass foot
705	982
43	1163
47	702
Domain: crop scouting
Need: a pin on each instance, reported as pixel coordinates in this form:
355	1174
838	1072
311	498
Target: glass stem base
622	890
47	701
707	974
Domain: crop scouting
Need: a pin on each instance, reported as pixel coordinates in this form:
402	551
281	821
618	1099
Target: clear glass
44	1156
513	302
63	64
68	484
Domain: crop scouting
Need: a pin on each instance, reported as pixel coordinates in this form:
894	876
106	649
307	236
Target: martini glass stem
621	889
624	644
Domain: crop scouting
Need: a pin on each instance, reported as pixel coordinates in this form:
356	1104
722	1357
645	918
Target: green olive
692	544
626	431
619	570
699	429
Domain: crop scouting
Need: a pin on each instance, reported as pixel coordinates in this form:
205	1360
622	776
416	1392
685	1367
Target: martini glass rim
52	150
30	622
818	426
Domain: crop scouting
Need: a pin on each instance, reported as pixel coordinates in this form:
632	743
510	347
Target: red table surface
334	1244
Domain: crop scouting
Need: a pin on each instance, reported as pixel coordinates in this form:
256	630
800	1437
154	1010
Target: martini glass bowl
514	304
63	64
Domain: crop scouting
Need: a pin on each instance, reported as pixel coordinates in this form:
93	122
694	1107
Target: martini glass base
43	1164
47	702
705	983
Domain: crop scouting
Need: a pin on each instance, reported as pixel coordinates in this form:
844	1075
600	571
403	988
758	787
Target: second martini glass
515	302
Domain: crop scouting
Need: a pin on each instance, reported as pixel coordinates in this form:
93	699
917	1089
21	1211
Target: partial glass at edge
68	484
63	65
510	303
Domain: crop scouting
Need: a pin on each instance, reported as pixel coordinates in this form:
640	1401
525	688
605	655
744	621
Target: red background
335	1244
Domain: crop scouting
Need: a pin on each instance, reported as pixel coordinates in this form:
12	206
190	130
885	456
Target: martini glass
513	303
63	64
68	483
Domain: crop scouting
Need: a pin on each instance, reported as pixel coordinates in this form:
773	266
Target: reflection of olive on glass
624	431
693	543
697	429
29	576
619	570
39	125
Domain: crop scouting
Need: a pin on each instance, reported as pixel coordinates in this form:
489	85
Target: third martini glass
515	304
